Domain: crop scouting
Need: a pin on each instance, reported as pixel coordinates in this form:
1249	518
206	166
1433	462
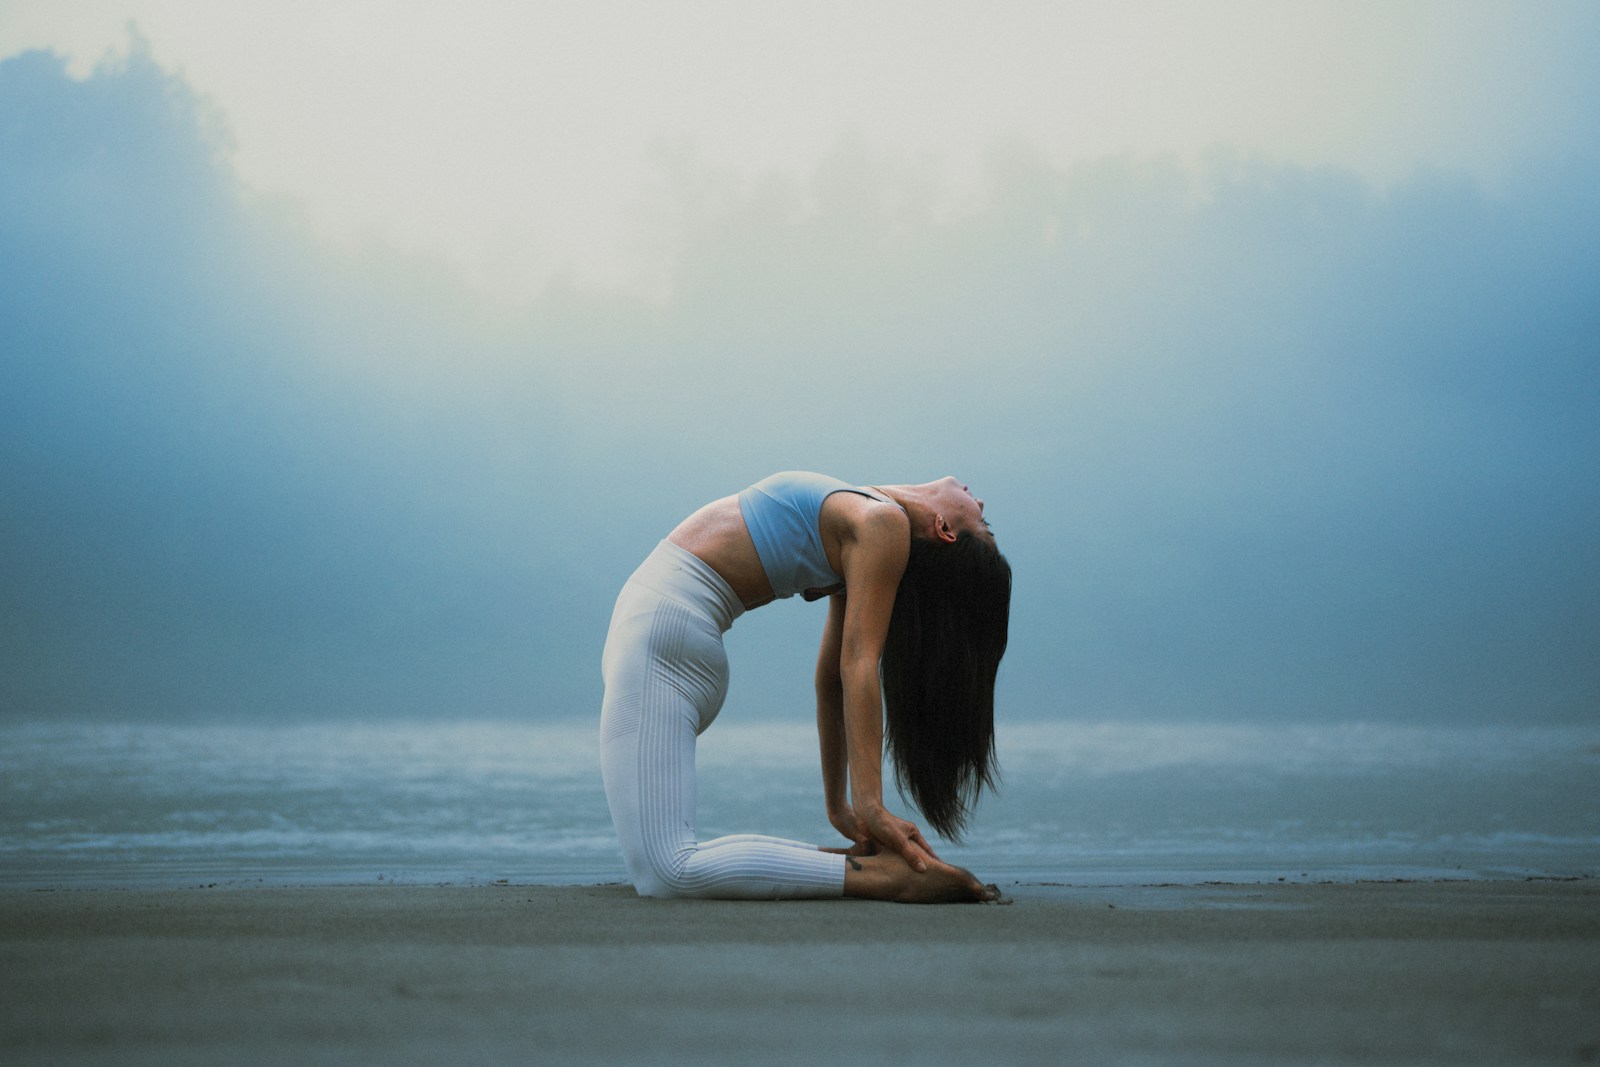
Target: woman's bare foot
887	876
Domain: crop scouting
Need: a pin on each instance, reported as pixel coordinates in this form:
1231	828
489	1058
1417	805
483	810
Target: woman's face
960	510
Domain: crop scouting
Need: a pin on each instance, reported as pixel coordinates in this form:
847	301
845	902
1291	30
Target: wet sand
1396	973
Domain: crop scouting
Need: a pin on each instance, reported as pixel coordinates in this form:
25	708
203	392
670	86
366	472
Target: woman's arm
874	559
830	726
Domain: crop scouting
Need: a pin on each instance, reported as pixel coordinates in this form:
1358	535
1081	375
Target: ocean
1080	803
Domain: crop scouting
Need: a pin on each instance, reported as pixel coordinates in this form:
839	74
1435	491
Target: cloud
1261	440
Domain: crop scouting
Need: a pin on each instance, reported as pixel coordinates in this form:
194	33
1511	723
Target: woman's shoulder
868	520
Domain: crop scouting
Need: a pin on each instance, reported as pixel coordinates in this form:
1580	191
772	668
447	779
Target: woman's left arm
874	561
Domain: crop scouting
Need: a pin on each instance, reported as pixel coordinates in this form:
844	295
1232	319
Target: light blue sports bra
783	513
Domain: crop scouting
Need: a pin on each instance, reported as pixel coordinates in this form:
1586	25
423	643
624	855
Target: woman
918	595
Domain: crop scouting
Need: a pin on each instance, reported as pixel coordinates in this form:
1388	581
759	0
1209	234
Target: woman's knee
662	885
648	885
661	875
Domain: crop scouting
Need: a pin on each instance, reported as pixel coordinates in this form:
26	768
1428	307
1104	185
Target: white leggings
666	675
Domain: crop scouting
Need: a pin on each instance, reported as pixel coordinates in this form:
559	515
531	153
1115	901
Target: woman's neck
913	501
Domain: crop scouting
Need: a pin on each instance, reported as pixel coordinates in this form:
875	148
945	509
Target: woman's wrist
867	806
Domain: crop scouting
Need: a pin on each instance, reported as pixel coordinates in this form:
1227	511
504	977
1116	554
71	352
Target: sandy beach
1401	973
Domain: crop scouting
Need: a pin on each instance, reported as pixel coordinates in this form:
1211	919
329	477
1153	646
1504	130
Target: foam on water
1080	803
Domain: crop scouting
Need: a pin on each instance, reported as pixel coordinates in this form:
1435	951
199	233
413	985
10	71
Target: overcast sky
353	354
522	138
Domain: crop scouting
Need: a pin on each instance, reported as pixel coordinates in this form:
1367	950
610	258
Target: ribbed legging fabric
666	675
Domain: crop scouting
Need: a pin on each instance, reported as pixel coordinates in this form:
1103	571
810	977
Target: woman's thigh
666	676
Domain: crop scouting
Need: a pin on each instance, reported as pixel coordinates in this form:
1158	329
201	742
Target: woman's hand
896	834
861	843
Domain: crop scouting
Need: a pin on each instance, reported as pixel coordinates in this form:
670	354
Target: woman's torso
800	519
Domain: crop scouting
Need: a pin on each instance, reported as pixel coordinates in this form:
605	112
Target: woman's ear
942	530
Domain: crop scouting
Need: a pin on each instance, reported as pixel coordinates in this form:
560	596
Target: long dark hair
946	637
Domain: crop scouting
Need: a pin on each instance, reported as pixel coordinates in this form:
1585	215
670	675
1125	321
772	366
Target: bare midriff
718	536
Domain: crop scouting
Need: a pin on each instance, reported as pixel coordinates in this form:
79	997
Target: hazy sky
351	355
525	138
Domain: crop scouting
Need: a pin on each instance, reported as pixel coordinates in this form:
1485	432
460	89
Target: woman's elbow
858	675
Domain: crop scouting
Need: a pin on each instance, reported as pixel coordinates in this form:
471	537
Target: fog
1261	440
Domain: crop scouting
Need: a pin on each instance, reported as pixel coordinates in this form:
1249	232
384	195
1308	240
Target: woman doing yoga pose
919	600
